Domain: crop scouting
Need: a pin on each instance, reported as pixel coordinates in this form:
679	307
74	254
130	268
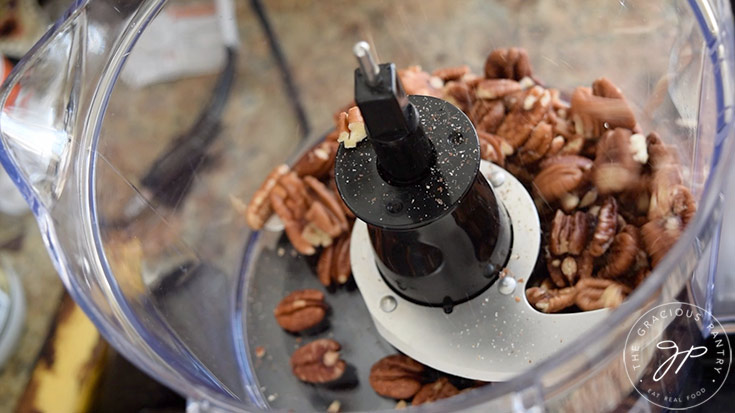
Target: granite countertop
43	292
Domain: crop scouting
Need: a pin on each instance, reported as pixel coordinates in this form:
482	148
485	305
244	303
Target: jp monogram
664	356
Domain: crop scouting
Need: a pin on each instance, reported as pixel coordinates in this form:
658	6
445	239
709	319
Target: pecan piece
496	88
451	73
301	310
356	125
660	235
607	223
558	179
569	269
396	376
568	233
491	147
518	124
431	392
553	265
615	167
343	127
417	82
511	63
318	362
259	209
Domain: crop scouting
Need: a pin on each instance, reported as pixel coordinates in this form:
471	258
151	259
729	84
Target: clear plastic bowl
181	290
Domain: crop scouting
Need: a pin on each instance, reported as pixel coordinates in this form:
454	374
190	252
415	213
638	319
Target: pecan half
605	88
622	255
537	144
660	235
325	220
585	265
615	167
396	376
460	95
329	200
431	392
318	362
659	155
487	115
259	209
324	266
333	265
301	310
670	199
558	179
585	164
592	114
451	73
607	223
568	233
318	161
511	63
594	294
496	88
553	301
294	227
342	269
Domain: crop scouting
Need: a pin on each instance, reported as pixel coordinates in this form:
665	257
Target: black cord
279	56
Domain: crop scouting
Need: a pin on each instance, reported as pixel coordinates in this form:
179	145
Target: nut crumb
401	405
639	148
335	407
517	298
272	397
259	352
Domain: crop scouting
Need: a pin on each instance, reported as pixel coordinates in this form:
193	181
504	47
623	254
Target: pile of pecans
305	199
402	378
611	201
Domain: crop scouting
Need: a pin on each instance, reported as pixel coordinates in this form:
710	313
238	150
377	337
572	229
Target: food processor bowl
175	280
